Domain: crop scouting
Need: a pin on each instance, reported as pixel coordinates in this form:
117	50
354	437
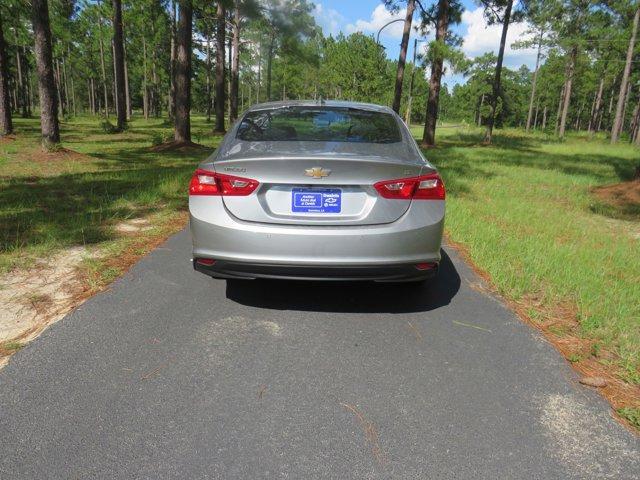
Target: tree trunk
67	97
576	125
567	90
22	84
619	118
103	68
270	63
172	64
259	72
560	102
235	64
27	81
534	82
208	89
220	44
596	107
183	73
155	96
407	119
115	87
480	110
6	123
493	101
90	94
535	117
544	118
73	95
145	83
442	23
58	81
408	19
44	64
118	63
127	93
227	71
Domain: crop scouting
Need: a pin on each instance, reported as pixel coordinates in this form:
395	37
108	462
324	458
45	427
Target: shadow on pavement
354	297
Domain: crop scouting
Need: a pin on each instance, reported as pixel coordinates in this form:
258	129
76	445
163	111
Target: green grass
523	209
48	202
632	415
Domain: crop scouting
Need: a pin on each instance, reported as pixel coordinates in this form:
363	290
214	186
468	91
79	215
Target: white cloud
379	17
482	38
329	19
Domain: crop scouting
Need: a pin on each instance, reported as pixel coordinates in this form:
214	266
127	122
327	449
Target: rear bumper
379	273
259	250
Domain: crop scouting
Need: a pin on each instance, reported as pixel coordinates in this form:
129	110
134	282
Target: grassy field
521	209
78	197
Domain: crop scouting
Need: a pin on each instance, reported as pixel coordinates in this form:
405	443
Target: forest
158	58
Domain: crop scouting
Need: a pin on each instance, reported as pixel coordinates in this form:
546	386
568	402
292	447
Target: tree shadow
349	297
79	208
463	156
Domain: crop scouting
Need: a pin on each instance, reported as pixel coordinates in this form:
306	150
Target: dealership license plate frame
316	200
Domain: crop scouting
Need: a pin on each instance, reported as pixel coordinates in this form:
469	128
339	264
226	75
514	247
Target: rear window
319	124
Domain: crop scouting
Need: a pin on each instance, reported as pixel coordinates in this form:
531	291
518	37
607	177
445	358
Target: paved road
171	374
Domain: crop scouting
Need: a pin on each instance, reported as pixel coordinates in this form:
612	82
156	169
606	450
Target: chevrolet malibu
317	191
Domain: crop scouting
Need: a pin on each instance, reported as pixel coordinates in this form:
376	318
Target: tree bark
48	106
118	61
27	81
114	85
235	64
534	81
544	118
6	123
208	78
567	90
270	52
22	84
442	24
183	73
596	107
227	71
560	102
616	129
103	68
145	82
220	60
127	93
493	101
172	65
67	97
408	19
407	118
58	82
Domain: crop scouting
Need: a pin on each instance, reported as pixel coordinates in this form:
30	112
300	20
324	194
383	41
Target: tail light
425	187
204	182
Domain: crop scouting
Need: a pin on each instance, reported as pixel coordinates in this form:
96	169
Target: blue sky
368	16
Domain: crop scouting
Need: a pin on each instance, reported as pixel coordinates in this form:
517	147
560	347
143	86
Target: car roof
320	103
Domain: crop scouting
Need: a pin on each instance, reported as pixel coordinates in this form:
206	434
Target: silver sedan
317	191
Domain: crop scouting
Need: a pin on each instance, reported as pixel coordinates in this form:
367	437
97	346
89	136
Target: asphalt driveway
170	374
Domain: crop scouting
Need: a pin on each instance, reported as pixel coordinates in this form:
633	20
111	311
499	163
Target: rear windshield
319	124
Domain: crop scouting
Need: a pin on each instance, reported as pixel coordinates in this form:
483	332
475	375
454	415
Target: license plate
305	200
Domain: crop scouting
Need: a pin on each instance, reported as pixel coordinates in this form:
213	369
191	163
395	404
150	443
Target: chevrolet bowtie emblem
317	172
